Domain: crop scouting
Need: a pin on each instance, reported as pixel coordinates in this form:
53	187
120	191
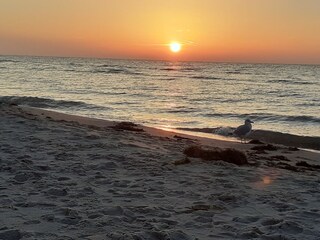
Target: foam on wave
45	102
268	116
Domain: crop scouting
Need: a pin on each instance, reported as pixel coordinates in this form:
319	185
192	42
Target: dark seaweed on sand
182	161
280	157
307	165
129	126
255	141
293	149
268	147
228	155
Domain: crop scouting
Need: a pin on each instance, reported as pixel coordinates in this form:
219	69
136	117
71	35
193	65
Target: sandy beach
71	177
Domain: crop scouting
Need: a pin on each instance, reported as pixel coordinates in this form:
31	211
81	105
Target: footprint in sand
246	219
178	235
287	227
113	211
270	221
202	219
22	177
13	234
32	222
57	192
95	215
163	235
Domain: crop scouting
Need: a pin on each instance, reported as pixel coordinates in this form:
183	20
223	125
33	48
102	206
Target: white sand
65	180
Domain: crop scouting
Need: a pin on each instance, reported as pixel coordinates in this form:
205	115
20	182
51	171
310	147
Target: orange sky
281	31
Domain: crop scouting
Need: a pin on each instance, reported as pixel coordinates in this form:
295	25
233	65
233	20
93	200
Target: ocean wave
108	66
180	69
309	104
267	117
170	69
167	79
190	69
222	131
46	102
206	77
8	61
289	81
234	72
73	64
114	93
181	111
43	68
115	71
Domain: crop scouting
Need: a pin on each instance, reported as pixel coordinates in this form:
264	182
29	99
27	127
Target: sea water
283	98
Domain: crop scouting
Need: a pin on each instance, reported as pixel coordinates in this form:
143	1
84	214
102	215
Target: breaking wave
290	81
8	61
105	69
206	77
268	117
46	102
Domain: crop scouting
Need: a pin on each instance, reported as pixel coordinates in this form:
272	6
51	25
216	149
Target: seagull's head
248	121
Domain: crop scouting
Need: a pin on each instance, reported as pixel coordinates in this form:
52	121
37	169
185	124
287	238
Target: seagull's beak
251	121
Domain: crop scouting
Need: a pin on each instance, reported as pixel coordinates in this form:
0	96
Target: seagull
244	130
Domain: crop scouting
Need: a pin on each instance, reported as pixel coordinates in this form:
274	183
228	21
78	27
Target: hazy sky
285	31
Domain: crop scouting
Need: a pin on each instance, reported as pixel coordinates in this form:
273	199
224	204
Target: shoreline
70	177
286	139
267	136
102	124
105	125
280	133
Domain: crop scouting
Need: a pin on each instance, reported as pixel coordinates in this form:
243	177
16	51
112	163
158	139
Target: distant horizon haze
265	31
156	60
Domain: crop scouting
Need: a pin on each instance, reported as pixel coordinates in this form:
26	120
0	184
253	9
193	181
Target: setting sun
175	47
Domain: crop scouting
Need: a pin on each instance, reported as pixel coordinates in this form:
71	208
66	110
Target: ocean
282	98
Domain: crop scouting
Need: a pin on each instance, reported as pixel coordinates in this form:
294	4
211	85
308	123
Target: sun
175	47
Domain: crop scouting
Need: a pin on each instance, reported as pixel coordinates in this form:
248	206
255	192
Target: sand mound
228	155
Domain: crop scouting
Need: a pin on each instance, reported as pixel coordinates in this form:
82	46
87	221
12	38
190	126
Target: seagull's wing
238	130
242	130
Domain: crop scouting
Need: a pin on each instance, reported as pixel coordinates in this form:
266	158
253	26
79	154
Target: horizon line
157	60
